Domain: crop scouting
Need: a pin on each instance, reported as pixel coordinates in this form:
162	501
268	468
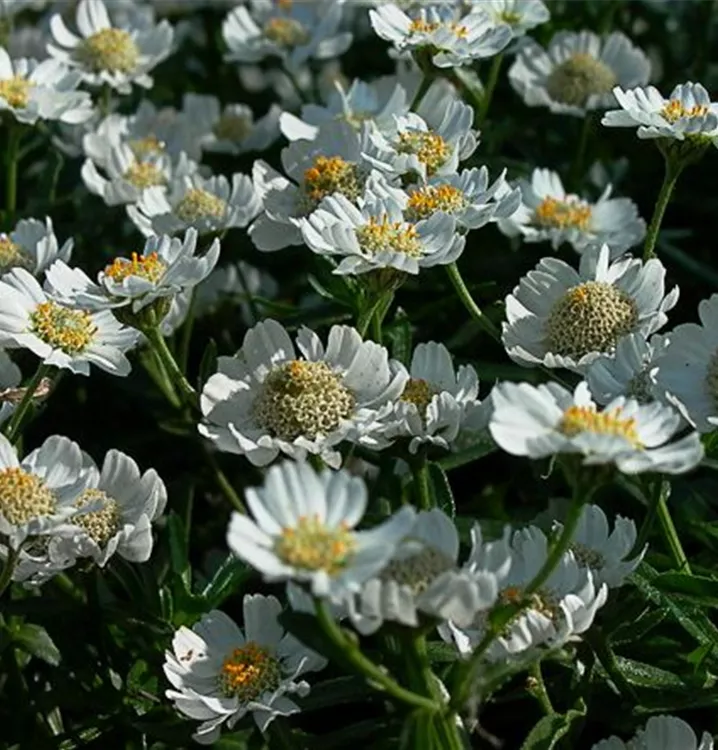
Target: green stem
580	158
224	484
539	689
187	332
18	417
424	86
421	482
379	314
670	177
373	673
8	568
490	87
159	345
254	315
366	316
668	529
105	103
11	163
473	309
156	370
303	98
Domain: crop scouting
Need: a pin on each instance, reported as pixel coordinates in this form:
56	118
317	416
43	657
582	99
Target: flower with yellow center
150	267
580	419
71	331
199	204
249	672
13	256
102	524
428	199
113	50
555	213
285	32
328	175
145	174
16	91
233	127
675	110
428	147
418	392
422	26
146	147
577	79
24	496
311	545
383	235
418	571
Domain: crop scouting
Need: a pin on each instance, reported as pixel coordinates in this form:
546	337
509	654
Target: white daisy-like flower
687	368
37	494
104	54
10	379
266	400
578	71
560	317
601	551
220	673
563	608
432	141
630	371
207	204
423	577
373	234
520	15
544	420
660	733
32	245
688	112
549	214
166	267
453	37
32	91
303	528
61	335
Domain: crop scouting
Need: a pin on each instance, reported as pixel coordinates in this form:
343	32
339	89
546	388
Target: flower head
32	245
660	733
519	15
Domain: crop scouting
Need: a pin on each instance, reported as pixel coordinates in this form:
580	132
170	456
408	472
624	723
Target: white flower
103	54
166	267
32	91
375	234
209	204
32	245
519	15
546	420
10	378
660	733
687	368
578	71
559	317
37	494
423	576
454	38
630	371
221	673
549	213
61	335
265	401
687	112
293	32
303	528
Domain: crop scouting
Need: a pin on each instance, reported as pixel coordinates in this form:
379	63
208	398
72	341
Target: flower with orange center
144	174
250	671
428	199
578	419
285	32
328	175
312	546
563	214
428	147
150	267
16	91
71	331
384	235
675	109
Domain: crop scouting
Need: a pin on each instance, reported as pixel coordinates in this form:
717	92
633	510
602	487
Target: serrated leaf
34	640
703	590
648	676
549	730
441	490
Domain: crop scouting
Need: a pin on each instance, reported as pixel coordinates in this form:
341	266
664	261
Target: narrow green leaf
208	364
481	446
35	640
441	490
549	730
179	553
335	692
400	337
648	676
228	579
703	590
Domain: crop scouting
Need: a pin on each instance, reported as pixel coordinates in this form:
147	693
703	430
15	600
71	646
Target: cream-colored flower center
13	256
250	671
589	558
300	398
575	80
329	175
310	545
16	91
286	32
101	525
563	214
541	601
148	146
150	267
233	128
422	26
200	204
510	17
418	571
579	419
72	331
429	148
24	497
418	392
426	201
589	317
389	236
110	49
144	174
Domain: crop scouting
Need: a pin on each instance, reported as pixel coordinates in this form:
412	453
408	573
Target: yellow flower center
580	419
150	267
233	128
329	175
419	393
590	317
16	91
675	110
13	256
144	174
541	601
510	17
557	214
426	201
249	672
150	145
418	571
300	398
430	148
200	204
24	496
422	26
285	32
101	525
589	558
109	49
310	545
575	80
389	236
71	331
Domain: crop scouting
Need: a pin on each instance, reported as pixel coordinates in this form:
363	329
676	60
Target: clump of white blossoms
548	213
63	334
207	204
451	37
32	245
220	673
578	71
519	15
107	55
687	113
267	400
32	91
544	420
560	317
660	733
423	578
294	32
303	528
561	609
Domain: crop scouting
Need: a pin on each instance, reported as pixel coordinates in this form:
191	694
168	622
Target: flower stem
366	315
490	87
8	568
580	158
18	417
473	309
424	86
224	484
421	482
187	328
668	528
11	163
539	689
670	177
380	312
600	646
303	98
159	346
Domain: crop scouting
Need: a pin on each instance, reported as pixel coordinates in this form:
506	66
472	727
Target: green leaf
549	730
228	579
336	691
304	628
703	590
400	338
35	641
648	676
441	490
481	445
208	364
179	552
